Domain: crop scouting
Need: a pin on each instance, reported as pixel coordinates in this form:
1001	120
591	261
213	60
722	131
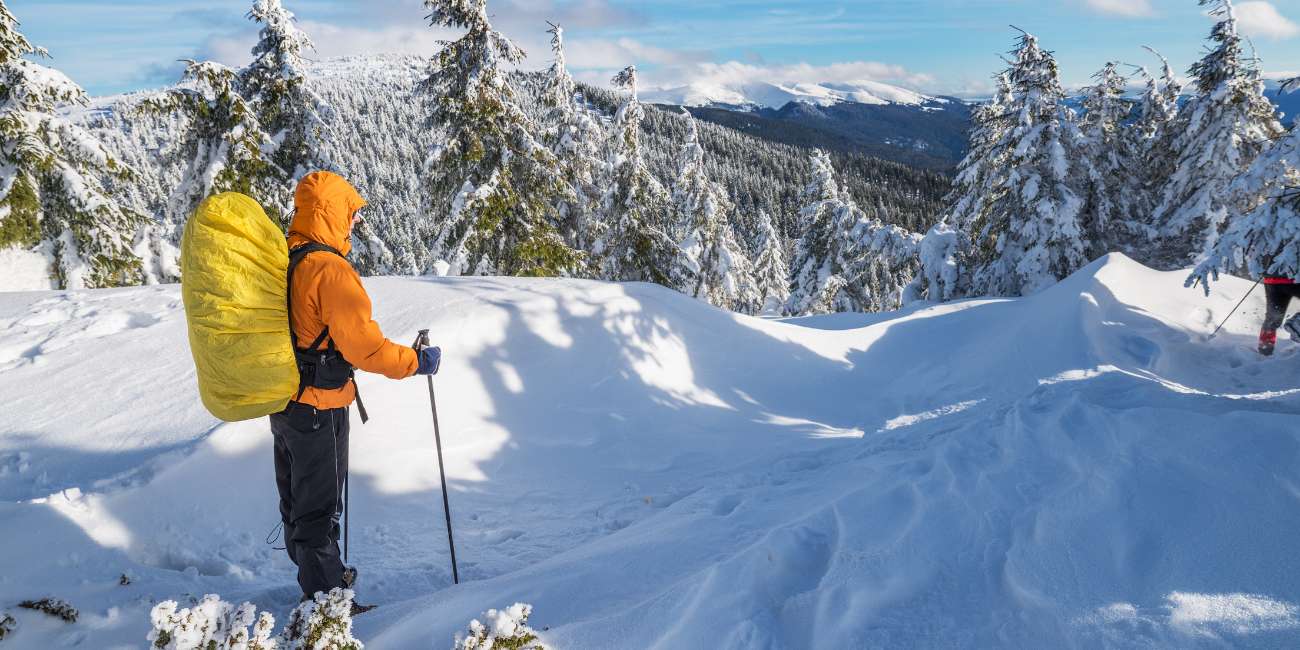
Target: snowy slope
777	95
1076	469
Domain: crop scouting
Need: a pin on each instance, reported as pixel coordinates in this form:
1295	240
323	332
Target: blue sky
937	46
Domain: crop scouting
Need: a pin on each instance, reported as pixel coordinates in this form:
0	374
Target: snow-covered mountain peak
757	95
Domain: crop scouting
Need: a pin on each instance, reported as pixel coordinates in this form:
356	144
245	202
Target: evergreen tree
1160	101
845	261
497	184
275	85
1113	187
982	175
635	243
1264	239
51	195
1033	233
223	141
771	270
1217	136
1151	142
574	136
716	269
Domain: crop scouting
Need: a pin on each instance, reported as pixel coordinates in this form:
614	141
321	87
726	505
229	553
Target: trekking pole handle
421	340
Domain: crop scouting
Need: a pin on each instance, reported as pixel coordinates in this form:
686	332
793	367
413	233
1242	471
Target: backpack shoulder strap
296	256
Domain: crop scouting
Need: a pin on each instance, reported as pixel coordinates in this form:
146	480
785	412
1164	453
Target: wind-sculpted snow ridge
1080	468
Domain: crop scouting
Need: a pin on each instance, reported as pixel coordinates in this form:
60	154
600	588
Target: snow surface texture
1080	468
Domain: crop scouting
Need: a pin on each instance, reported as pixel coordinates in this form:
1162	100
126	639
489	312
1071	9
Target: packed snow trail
1076	469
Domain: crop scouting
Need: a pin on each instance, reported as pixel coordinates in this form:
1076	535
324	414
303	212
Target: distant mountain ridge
755	96
869	118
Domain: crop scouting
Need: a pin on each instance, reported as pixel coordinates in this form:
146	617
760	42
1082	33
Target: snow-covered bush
944	254
59	609
322	623
7	626
505	630
212	624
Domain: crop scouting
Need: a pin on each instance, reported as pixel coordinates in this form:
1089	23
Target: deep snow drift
1081	468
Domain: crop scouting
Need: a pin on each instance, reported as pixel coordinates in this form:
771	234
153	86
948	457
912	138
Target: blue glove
430	360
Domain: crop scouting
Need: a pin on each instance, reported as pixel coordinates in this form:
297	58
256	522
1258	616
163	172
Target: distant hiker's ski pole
421	343
1234	310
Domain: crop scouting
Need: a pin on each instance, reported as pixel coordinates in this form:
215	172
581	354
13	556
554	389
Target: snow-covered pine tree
221	142
771	270
635	244
575	137
492	177
1264	239
1032	234
1160	101
1217	136
275	85
980	183
716	269
1151	143
52	200
845	261
1113	208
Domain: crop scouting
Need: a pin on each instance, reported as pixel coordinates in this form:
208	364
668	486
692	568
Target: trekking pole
421	343
1234	310
347	518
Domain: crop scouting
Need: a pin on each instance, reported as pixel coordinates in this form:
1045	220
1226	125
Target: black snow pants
1279	299
311	464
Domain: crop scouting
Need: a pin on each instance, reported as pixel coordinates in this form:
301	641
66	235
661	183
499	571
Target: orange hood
324	205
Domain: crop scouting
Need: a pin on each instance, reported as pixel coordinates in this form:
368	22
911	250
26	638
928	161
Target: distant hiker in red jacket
1279	292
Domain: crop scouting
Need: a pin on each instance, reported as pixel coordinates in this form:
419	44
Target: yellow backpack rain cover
233	266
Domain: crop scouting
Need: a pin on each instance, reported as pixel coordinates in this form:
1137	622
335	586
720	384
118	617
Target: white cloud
593	56
1259	18
1131	8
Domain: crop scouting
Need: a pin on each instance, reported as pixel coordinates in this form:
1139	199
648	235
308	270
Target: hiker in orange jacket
333	332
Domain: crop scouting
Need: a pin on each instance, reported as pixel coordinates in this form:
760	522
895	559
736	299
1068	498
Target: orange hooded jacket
327	292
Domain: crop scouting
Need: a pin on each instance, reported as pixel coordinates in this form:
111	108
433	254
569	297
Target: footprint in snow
727	505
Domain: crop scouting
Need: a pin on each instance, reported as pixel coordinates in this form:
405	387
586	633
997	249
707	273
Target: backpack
321	368
234	270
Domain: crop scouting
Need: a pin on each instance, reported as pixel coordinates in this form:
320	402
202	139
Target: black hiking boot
358	608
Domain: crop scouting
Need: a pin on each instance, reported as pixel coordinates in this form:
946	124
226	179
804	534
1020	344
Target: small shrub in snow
212	624
7	626
505	630
54	607
323	623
